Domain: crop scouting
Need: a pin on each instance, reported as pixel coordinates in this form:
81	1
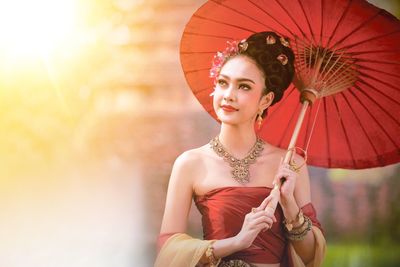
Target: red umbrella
347	52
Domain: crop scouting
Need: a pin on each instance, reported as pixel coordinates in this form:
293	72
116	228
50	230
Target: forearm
223	248
305	248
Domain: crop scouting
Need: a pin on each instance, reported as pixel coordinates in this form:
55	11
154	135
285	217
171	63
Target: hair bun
275	58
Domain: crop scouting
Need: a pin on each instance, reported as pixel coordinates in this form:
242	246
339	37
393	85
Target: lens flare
31	29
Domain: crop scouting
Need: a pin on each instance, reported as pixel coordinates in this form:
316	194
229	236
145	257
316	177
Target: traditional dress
223	210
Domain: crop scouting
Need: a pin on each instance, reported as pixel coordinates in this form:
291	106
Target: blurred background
94	109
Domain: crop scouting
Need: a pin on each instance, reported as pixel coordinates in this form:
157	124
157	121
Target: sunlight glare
31	29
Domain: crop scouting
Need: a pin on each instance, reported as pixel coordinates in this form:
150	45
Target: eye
221	82
244	86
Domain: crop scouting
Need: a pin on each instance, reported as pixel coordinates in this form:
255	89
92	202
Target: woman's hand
289	176
257	220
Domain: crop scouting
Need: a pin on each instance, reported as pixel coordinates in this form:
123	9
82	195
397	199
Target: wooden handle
275	193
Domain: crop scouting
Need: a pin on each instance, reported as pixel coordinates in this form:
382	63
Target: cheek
251	102
216	98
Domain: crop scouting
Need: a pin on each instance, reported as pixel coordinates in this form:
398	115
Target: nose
230	93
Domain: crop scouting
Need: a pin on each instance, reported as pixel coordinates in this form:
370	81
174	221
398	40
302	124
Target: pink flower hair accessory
233	48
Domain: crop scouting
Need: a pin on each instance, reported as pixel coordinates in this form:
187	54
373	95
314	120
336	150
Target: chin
230	121
227	120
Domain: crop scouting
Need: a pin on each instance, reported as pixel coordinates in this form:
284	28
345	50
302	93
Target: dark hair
278	76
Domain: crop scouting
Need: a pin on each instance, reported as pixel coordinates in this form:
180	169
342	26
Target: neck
237	141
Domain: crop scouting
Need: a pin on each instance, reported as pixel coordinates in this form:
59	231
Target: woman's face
239	85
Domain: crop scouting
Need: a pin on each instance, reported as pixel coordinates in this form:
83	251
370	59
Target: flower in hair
270	39
233	48
243	45
283	59
284	42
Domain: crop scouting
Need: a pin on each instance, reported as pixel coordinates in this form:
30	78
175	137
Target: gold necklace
240	167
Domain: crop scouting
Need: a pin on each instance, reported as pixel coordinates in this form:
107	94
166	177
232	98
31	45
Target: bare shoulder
274	154
190	158
180	191
187	164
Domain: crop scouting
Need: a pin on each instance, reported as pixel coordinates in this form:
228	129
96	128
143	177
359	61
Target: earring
259	120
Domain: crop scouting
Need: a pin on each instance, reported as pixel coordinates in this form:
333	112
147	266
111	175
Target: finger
289	179
264	203
266	227
288	170
260	214
280	175
270	211
262	219
263	227
278	179
284	176
254	210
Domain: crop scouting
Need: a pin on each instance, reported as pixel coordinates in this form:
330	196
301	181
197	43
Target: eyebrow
239	80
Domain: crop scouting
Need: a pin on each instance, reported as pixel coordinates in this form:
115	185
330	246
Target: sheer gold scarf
181	250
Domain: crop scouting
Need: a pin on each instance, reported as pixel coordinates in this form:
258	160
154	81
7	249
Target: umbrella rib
294	21
287	126
224	23
265	12
208	35
339	22
376	120
365	23
308	22
384	83
378	71
378	61
333	75
376	103
193	71
322	21
368	40
374	52
243	14
344	129
327	133
362	127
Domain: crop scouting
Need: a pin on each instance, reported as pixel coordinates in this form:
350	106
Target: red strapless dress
223	210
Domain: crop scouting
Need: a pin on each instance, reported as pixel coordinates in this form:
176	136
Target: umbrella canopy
358	122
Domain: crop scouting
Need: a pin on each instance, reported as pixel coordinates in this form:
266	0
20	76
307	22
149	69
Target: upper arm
302	192
179	194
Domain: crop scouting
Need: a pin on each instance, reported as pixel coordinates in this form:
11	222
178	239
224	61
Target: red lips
228	108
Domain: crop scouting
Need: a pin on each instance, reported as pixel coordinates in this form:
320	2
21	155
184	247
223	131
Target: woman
231	177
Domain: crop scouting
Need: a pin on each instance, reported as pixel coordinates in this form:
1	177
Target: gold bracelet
302	227
301	232
211	257
299	218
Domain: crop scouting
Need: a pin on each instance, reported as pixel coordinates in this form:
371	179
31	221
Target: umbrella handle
275	192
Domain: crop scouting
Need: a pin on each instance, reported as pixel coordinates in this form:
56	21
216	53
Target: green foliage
362	255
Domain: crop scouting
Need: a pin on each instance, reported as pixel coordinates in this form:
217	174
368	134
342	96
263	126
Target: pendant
240	171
